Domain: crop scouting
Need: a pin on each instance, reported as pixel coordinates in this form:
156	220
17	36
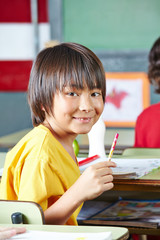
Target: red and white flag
17	49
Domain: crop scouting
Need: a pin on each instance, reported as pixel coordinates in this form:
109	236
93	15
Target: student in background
147	128
66	95
6	233
148	123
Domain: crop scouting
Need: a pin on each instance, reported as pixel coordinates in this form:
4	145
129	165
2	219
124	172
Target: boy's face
75	111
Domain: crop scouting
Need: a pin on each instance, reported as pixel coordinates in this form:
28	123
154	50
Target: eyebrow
70	86
77	86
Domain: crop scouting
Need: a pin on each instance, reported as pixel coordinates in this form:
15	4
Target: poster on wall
127	94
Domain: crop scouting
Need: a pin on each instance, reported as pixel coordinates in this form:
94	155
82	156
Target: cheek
63	105
69	107
99	106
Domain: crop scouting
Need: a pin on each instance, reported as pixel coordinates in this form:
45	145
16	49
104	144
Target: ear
42	108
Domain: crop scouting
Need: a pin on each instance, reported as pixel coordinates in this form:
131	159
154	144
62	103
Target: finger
108	186
7	233
104	164
20	230
104	187
3	229
104	171
103	183
10	231
17	229
106	179
111	164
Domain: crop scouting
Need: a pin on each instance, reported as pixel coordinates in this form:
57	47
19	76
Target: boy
66	95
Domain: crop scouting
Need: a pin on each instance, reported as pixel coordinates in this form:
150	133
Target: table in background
10	140
126	139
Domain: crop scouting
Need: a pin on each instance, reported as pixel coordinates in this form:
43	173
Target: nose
86	104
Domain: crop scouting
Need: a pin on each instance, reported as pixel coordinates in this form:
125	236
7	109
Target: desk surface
118	233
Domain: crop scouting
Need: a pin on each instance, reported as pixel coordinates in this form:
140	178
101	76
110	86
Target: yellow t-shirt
39	169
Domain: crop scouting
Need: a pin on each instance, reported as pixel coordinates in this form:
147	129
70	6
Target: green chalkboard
112	24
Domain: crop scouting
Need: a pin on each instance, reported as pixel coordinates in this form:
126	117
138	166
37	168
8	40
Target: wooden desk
118	233
137	185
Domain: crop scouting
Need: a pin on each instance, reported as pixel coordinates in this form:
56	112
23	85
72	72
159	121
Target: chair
150	152
31	211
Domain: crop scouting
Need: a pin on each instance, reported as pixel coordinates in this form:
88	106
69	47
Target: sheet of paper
32	235
127	166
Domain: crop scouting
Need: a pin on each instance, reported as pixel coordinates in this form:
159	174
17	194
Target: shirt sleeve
38	182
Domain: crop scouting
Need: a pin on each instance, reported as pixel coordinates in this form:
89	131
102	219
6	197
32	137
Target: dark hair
58	66
154	65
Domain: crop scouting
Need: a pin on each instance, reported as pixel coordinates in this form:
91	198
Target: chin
84	131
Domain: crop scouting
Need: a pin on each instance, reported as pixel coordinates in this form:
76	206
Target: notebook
126	168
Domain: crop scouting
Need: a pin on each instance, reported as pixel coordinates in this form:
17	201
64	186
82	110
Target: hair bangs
80	72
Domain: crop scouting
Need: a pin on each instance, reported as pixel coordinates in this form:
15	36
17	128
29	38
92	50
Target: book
131	223
140	213
90	208
126	168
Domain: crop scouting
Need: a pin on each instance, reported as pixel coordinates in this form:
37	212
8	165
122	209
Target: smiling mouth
81	119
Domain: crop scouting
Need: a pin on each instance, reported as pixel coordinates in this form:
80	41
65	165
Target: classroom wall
121	33
14	112
112	24
18	45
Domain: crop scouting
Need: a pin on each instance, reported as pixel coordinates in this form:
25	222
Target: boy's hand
95	180
6	233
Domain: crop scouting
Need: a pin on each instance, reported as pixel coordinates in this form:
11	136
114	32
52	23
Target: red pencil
88	160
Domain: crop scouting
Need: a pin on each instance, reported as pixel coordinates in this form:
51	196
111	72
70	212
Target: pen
113	146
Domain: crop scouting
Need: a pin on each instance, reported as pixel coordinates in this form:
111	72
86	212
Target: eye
70	91
96	94
72	94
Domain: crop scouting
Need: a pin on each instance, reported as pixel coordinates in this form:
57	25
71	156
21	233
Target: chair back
150	152
32	212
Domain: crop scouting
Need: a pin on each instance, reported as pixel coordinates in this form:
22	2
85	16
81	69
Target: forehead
74	87
80	83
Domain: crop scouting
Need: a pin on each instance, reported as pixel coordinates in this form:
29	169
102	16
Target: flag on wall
17	41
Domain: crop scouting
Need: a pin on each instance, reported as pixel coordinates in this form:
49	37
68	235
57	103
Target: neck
65	140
